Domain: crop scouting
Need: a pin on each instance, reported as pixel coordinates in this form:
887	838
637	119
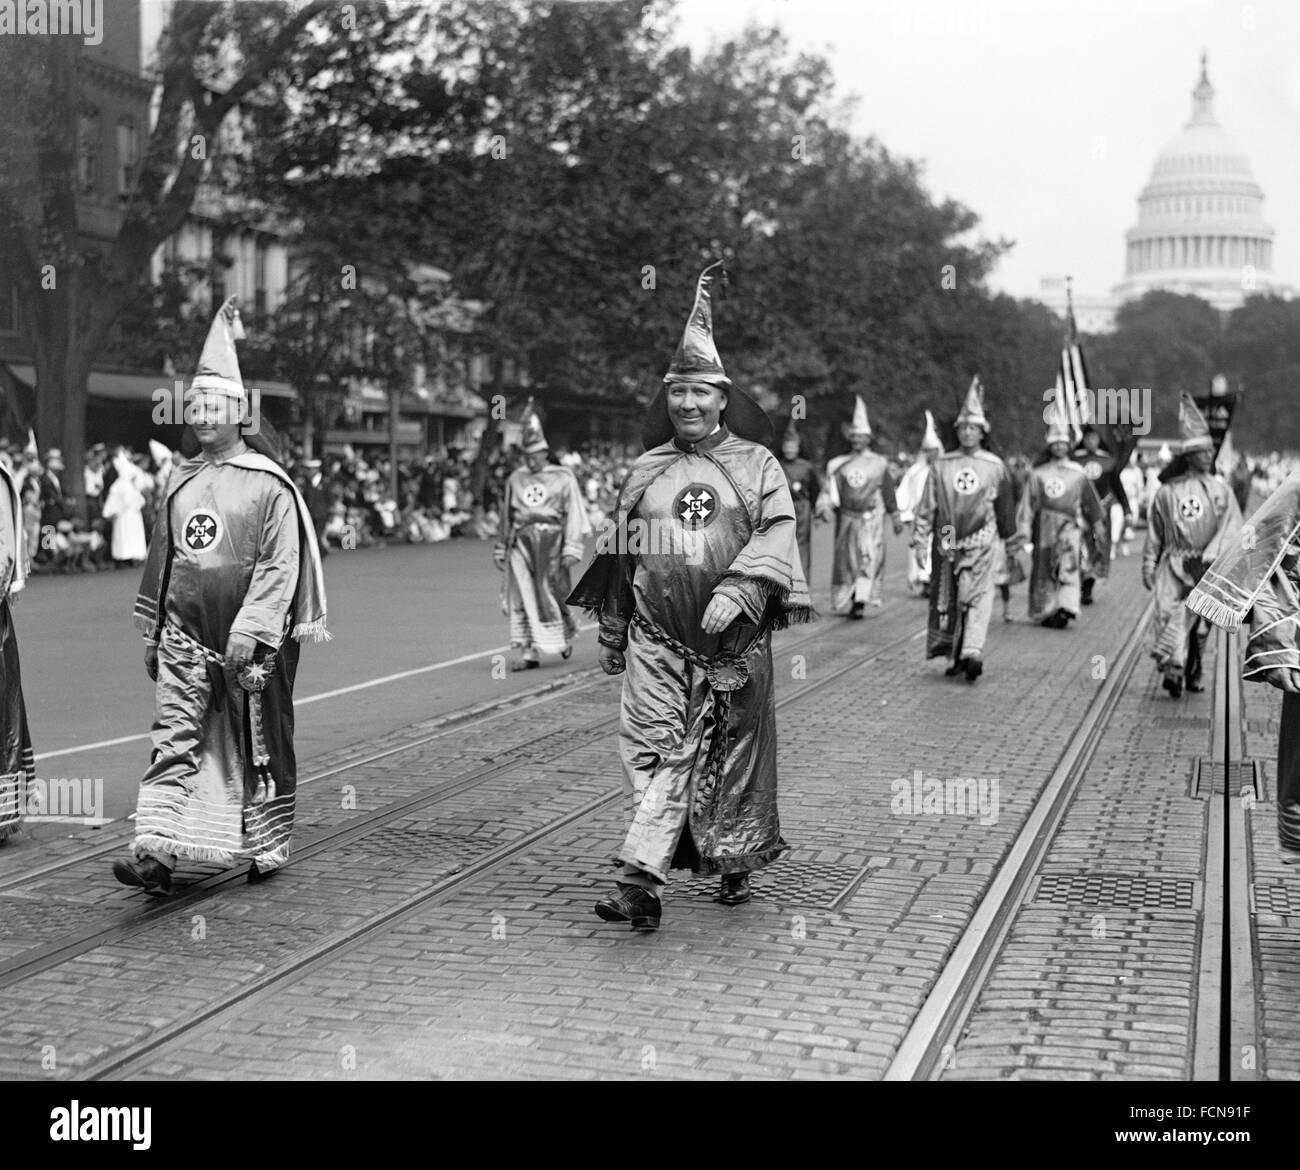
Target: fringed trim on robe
1237	576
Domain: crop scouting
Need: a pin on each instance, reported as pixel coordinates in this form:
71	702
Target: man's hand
499	557
239	650
1148	579
721	613
569	562
611	660
1286	680
151	661
898	526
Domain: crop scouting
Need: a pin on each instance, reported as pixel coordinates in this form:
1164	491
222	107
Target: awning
140	387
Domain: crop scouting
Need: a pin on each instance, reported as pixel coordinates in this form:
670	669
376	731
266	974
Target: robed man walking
687	619
233	583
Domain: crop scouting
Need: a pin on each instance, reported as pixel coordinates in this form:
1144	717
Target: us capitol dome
1201	228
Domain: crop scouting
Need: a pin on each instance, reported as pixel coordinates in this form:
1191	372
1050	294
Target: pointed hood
1058	419
931	441
1192	427
534	436
218	371
972	410
861	425
697	360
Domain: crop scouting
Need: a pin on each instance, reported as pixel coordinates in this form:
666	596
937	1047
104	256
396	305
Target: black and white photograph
650	541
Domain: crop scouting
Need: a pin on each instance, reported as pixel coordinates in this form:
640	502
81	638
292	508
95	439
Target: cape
1237	575
309	603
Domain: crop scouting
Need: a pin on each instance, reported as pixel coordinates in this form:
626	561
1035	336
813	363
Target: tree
213	57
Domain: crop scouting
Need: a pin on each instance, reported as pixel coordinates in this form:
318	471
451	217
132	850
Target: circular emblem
965	482
855	477
534	495
696	506
1190	508
1053	488
200	531
1092	469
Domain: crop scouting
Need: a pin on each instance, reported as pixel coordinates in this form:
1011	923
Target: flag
1072	381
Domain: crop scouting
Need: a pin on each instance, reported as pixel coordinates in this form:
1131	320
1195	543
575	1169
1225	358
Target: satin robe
1056	495
17	762
805	488
721	523
1192	519
543	520
859	488
910	490
968	506
234	536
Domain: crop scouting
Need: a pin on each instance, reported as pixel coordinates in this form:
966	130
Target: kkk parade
232	585
966	513
543	527
860	494
691	632
802	496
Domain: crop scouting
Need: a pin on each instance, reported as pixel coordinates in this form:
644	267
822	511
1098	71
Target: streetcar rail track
299	966
937	1026
132	920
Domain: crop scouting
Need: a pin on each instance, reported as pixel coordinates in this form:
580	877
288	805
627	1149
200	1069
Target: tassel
311	632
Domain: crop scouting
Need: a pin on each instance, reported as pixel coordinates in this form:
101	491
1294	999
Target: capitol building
1200	228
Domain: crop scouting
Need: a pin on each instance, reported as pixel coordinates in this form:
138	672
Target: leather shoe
735	889
955	669
149	873
256	875
974	668
631	904
1173	686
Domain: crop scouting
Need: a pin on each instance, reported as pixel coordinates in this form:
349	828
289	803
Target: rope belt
984	536
858	511
252	678
725	672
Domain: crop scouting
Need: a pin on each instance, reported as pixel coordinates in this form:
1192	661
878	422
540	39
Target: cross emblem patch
696	506
534	495
201	531
1093	469
1191	508
965	482
1053	488
855	477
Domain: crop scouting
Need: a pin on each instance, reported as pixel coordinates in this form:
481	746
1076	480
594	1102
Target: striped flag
1072	382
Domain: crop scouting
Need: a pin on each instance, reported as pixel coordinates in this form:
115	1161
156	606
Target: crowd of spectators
441	497
349	497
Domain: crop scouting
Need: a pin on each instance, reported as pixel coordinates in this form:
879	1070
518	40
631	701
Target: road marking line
374	682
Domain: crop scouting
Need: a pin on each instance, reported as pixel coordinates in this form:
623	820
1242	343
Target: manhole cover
397	844
788	882
1276	899
1208	779
1121	890
1180	723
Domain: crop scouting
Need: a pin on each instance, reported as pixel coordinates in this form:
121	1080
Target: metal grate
1126	891
1180	723
788	882
1277	899
1208	779
395	845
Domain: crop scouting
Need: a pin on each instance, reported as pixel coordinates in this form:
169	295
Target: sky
1044	117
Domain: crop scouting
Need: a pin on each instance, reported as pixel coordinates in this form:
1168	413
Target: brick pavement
511	975
819	977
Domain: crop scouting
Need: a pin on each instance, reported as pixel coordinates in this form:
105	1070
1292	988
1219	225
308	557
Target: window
87	152
8	307
128	155
259	278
